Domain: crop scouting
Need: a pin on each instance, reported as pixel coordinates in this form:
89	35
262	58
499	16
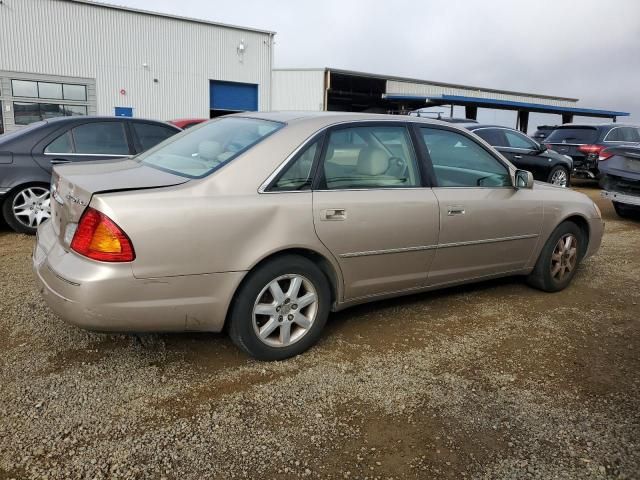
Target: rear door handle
58	161
455	210
334	214
517	156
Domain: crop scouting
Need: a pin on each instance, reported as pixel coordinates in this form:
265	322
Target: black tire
556	169
624	211
541	277
7	209
241	320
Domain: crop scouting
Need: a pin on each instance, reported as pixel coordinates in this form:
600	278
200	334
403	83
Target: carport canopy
472	104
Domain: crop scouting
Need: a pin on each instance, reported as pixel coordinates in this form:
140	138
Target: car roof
476	126
94	118
329	118
596	125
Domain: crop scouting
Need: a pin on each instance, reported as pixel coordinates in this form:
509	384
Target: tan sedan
264	223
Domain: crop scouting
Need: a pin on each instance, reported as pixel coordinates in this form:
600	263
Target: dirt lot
494	380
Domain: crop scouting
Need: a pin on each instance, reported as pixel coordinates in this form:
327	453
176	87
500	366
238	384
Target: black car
543	132
28	155
526	154
584	143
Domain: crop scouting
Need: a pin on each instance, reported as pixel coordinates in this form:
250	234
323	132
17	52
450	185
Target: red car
185	123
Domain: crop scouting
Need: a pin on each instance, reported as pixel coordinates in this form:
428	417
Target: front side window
149	135
517	140
101	138
201	151
370	157
458	161
297	174
630	134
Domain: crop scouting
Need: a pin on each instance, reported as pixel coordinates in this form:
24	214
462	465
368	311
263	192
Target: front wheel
281	309
27	207
559	176
559	259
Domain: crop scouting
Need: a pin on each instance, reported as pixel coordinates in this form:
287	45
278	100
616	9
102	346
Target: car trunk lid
74	185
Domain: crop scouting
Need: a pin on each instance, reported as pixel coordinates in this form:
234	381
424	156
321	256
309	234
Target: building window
26	113
75	92
1	124
58	91
22	88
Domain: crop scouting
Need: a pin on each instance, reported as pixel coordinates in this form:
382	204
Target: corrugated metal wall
298	90
58	37
413	88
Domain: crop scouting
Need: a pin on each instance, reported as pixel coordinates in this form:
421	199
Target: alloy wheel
559	178
285	310
564	257
32	206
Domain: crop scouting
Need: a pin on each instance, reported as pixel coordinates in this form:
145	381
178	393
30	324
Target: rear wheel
559	176
27	207
281	309
559	258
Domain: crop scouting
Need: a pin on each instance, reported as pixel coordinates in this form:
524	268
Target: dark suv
583	143
27	157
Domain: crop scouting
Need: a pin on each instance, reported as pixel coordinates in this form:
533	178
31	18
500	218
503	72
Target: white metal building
74	57
344	90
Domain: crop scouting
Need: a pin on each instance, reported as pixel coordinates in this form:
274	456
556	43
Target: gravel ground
494	381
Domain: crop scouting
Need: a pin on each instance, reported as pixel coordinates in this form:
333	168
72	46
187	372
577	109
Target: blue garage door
233	96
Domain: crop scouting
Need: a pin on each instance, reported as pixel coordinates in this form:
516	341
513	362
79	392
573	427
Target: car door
487	227
372	209
80	142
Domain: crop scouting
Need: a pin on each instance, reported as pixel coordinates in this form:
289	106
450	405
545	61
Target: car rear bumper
107	297
621	198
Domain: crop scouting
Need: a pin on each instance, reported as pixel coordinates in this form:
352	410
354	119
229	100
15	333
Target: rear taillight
595	149
99	238
604	155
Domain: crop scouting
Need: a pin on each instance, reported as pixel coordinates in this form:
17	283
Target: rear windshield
203	149
573	135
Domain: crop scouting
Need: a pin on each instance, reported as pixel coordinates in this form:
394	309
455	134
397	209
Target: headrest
372	161
209	150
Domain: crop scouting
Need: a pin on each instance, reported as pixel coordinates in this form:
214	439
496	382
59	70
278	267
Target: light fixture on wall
242	47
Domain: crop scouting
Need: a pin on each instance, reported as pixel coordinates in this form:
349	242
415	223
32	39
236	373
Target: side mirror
523	179
543	148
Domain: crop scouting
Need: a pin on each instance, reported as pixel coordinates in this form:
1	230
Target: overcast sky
586	49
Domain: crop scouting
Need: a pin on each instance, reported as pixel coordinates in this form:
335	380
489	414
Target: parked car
542	132
583	143
262	223
185	123
28	155
620	178
546	165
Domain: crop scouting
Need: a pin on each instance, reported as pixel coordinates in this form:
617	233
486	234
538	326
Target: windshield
573	135
203	149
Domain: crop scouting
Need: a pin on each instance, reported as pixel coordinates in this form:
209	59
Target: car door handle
58	161
334	214
517	156
455	210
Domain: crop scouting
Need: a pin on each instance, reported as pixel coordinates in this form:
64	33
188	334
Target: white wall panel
298	90
395	87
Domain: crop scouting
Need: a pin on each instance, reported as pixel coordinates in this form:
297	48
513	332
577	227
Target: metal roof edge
168	15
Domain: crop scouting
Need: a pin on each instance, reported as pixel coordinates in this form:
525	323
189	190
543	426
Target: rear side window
493	136
149	135
577	135
297	175
101	138
458	161
623	134
201	151
62	144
